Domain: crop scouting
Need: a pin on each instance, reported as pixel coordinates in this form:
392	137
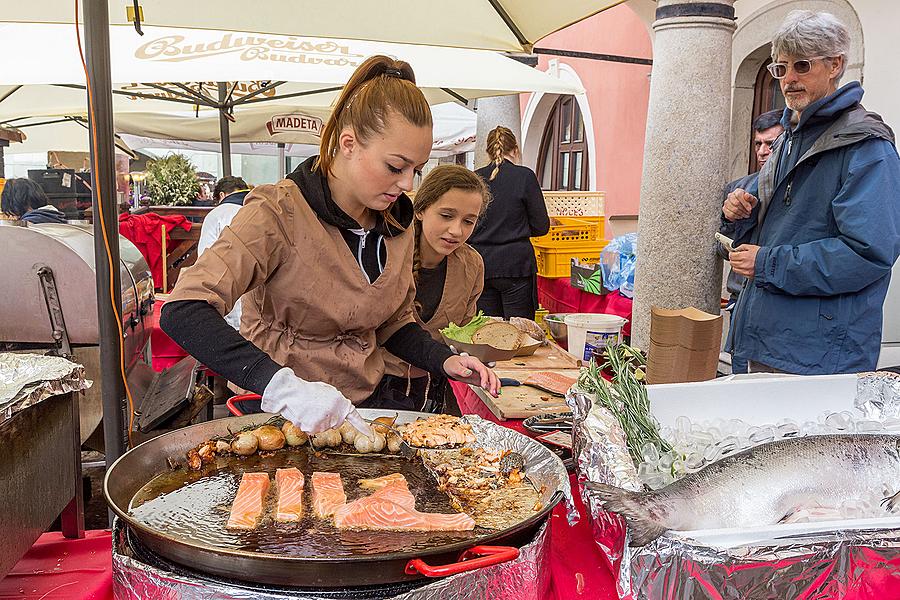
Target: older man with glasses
819	230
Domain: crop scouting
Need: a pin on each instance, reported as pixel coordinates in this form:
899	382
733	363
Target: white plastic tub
589	331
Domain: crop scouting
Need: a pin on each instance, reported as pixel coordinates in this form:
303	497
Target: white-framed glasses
801	67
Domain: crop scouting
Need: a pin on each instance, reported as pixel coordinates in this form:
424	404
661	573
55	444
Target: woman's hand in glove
469	369
313	406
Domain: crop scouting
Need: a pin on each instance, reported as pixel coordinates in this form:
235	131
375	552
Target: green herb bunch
625	396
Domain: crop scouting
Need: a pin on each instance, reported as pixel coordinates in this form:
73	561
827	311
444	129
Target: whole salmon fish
762	485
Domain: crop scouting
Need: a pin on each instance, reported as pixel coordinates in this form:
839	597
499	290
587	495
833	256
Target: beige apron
309	305
462	288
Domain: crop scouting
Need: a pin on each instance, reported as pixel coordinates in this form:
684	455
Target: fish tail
633	506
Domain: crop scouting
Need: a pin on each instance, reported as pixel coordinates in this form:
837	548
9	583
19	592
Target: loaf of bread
499	335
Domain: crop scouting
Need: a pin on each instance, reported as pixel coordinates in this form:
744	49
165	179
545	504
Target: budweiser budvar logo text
176	48
296	122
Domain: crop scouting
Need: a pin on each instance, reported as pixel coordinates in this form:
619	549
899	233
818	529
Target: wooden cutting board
522	401
545	358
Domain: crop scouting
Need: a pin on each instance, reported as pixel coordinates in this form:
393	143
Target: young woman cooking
325	260
449	275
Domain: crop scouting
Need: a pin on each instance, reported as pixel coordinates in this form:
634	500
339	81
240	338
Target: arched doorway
563	158
766	96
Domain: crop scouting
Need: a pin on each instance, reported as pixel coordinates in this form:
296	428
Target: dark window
563	161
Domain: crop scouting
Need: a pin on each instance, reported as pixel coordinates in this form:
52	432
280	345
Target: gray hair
805	33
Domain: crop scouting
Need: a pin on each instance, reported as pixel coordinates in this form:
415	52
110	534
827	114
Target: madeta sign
294	123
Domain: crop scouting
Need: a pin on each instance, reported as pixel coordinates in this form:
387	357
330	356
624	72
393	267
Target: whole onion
245	443
270	437
293	435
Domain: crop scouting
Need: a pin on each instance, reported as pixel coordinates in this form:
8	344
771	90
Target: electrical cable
99	190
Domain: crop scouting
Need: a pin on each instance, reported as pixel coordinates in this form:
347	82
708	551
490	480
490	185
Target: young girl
449	274
325	260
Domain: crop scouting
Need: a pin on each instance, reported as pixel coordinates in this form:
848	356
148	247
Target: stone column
685	160
493	111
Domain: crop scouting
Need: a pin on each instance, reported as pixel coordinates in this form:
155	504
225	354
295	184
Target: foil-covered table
138	575
848	564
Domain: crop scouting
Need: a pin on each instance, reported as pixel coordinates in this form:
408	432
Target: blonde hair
438	182
500	142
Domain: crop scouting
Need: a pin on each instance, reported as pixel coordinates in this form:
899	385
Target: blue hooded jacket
828	226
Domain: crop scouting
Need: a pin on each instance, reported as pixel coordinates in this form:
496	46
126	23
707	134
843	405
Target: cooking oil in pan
195	505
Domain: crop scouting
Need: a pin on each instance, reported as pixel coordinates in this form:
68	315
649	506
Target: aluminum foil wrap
26	379
521	579
857	564
543	468
598	445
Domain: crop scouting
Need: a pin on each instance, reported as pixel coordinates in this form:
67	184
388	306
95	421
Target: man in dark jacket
820	228
766	129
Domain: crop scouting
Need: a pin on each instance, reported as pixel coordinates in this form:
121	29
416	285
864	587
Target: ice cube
650	452
837	421
763	435
869	426
683	424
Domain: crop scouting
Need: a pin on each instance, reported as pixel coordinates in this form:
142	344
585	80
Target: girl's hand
469	369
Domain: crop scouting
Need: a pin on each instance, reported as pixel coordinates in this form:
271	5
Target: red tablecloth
164	351
56	568
558	296
578	568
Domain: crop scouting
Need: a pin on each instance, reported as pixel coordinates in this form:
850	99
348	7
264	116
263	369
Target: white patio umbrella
273	69
507	25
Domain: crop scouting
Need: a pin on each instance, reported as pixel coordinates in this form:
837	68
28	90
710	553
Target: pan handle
234	409
490	555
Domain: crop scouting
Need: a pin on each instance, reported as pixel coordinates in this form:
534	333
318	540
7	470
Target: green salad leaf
464	333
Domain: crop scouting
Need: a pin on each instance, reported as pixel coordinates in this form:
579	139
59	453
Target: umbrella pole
106	222
224	131
282	165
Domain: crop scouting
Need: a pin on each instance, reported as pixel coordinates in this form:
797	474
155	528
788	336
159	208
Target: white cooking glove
313	406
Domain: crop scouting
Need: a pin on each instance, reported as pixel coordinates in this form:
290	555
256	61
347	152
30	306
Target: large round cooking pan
125	478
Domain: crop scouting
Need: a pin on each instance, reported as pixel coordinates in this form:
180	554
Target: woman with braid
516	214
448	273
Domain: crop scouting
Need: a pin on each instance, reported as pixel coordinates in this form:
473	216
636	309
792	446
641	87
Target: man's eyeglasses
801	67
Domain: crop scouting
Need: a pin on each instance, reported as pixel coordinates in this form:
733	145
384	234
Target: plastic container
574	203
573	229
588	331
554	259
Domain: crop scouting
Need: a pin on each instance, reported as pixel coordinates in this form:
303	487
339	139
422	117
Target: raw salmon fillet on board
555	383
393	508
327	493
249	502
290	494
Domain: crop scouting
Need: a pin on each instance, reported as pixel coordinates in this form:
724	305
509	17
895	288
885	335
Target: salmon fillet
555	383
379	482
249	501
290	494
393	508
327	493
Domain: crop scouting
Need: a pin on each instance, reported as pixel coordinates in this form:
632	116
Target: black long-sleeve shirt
516	213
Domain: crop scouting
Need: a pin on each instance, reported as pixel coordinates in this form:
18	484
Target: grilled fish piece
762	485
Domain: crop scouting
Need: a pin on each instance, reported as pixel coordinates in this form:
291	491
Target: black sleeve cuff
413	344
198	327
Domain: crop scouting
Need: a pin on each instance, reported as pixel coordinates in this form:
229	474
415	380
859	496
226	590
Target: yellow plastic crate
572	230
555	261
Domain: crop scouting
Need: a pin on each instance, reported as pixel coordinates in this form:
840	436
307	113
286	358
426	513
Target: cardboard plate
482	352
529	347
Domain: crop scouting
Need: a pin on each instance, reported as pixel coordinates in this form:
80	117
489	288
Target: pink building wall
617	94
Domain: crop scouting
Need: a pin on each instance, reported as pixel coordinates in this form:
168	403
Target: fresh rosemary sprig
625	396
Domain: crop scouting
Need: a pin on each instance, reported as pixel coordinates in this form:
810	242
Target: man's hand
738	205
743	260
469	369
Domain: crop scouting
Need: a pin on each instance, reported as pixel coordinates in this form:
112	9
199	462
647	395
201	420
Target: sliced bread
499	335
